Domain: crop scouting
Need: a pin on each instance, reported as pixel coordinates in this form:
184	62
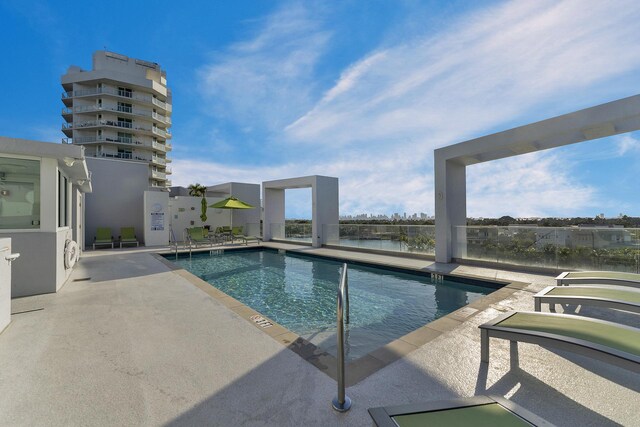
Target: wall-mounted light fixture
69	161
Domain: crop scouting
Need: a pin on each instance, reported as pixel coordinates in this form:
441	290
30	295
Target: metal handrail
172	238
342	402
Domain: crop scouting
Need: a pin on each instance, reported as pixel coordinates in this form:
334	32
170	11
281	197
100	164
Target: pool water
299	293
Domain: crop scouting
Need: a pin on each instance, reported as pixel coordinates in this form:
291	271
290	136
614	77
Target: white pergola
450	162
324	201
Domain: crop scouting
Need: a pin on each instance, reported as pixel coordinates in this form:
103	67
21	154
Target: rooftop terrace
129	340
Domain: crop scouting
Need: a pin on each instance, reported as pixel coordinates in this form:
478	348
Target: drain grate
261	321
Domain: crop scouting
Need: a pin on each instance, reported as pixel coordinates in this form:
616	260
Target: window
19	193
125	123
63	200
125	153
124	91
124	107
125	137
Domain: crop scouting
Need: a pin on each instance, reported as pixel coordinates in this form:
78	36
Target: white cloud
266	80
531	185
376	128
627	144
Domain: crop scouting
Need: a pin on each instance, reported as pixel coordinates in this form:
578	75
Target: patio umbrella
231	203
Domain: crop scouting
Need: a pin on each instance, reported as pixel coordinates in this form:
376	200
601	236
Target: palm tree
198	190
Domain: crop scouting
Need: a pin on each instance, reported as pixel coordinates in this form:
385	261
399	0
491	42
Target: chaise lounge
195	236
598	278
479	411
599	339
103	237
616	297
128	236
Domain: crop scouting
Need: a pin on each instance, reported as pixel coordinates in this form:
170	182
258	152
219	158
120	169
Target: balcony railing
158	160
126	156
94	123
159	132
116	109
158	175
114	92
394	238
561	248
103	139
158	146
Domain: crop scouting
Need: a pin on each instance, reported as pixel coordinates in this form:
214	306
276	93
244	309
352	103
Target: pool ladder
342	402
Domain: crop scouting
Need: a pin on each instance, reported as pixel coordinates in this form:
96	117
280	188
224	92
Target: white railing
115	92
158	146
117	140
94	123
158	175
158	160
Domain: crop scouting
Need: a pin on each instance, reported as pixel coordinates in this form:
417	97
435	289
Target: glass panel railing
297	232
253	229
383	237
568	248
277	231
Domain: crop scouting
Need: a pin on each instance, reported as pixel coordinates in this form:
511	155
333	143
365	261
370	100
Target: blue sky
361	90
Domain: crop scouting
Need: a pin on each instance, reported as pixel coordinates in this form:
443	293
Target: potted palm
198	190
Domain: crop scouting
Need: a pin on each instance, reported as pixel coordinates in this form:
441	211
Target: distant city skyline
272	90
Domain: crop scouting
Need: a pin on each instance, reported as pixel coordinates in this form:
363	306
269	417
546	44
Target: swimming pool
299	293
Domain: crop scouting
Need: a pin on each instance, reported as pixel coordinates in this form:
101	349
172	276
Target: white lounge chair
599	339
598	278
616	297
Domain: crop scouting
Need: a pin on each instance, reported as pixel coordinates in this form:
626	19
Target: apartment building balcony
68	127
162	133
168	159
67	97
158	146
110	140
168	146
158	161
158	175
68	112
168	171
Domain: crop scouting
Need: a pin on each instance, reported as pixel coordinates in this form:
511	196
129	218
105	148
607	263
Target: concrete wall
185	212
117	197
5	284
36	271
156	218
249	193
324	199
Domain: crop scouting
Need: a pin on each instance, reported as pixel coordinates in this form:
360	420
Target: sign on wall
157	217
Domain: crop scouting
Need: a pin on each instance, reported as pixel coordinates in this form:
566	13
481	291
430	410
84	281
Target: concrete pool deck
129	341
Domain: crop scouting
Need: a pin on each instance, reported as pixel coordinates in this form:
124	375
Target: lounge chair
128	236
479	411
606	341
103	237
617	297
247	239
598	278
195	236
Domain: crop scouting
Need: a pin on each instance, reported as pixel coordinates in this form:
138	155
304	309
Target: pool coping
359	369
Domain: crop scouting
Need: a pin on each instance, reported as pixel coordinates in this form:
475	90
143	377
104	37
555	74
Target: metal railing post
342	402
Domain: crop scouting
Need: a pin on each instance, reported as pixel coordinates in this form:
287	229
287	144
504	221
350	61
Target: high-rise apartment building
120	109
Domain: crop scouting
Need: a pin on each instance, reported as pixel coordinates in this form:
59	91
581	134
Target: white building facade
120	109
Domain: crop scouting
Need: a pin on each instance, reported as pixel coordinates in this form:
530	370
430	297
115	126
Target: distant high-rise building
120	109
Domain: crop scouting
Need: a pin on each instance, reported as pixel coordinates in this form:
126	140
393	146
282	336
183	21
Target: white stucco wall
5	283
117	197
156	218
